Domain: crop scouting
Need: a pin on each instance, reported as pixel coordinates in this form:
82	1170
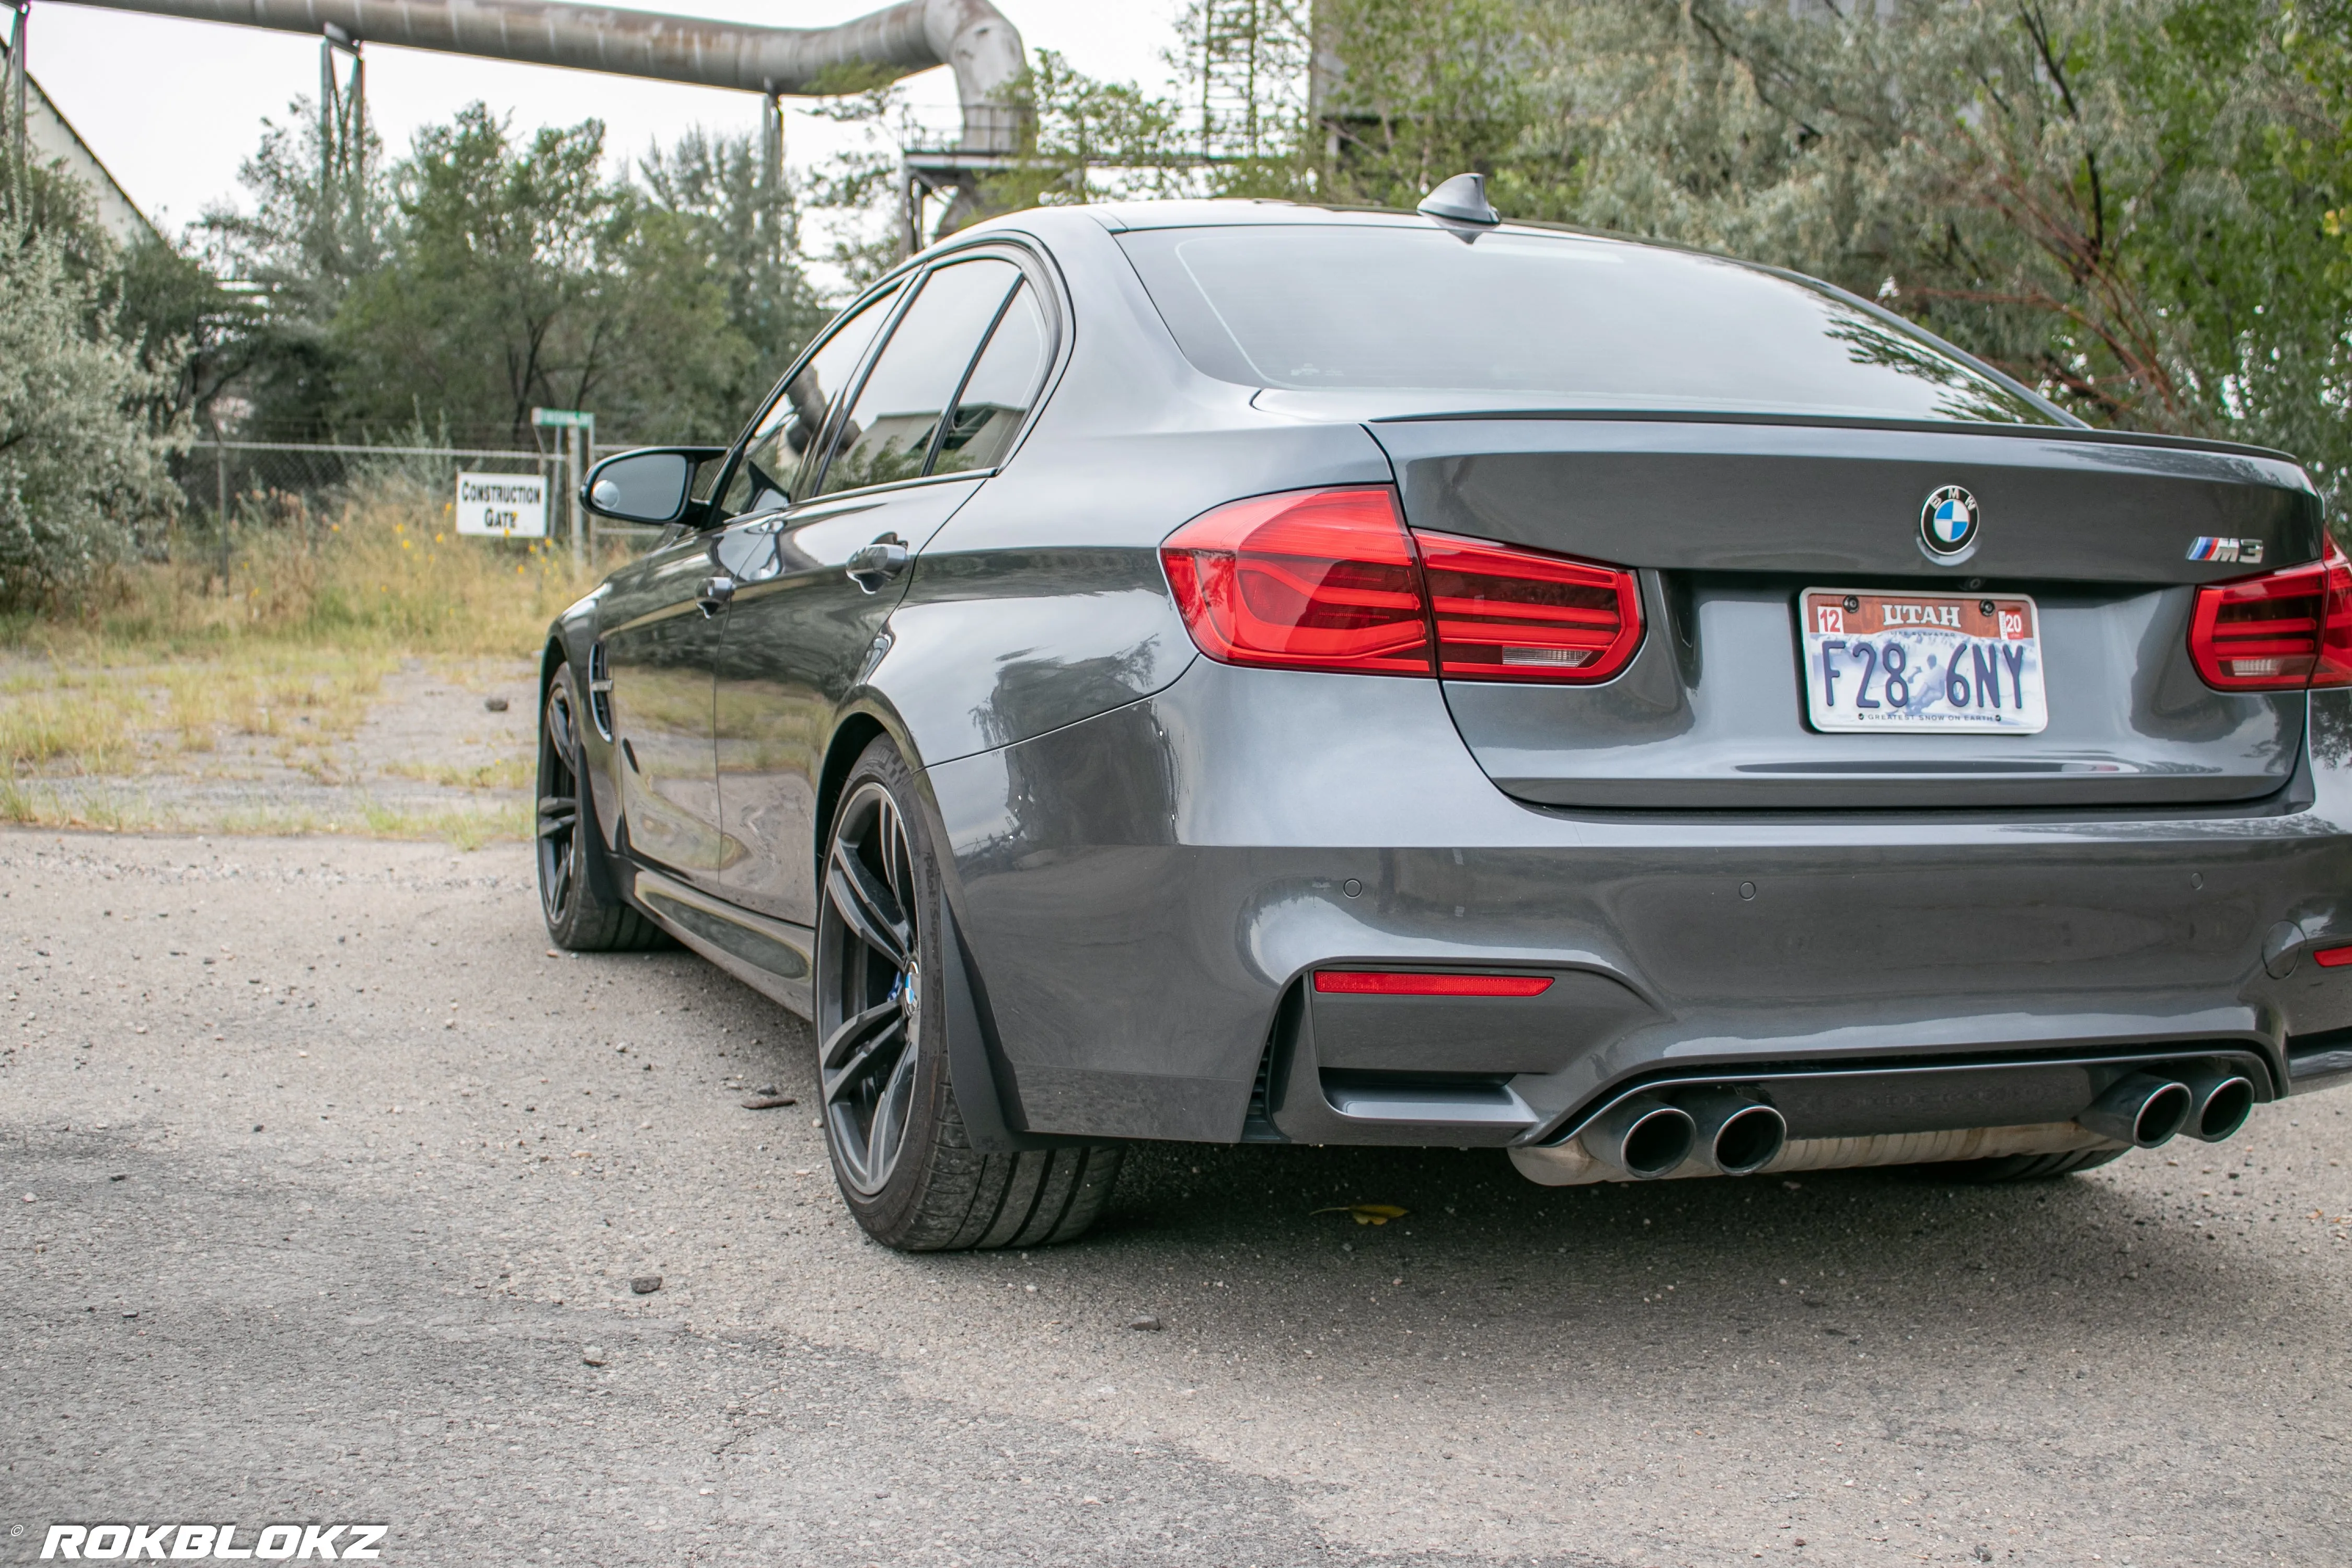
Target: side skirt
771	956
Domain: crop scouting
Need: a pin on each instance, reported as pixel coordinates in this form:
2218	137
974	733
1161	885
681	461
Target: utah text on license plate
1922	662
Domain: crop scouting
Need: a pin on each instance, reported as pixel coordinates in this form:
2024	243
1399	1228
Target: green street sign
563	418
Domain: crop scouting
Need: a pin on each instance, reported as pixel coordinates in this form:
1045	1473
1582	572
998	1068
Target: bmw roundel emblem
1948	523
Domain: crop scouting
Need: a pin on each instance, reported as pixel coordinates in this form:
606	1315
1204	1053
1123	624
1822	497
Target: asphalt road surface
325	1185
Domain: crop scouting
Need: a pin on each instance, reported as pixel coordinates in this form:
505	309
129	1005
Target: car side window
997	396
887	436
784	442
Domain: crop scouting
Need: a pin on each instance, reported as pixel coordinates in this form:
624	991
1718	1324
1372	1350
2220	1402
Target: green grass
167	666
120	811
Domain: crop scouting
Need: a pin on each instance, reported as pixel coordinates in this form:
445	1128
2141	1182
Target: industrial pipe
971	36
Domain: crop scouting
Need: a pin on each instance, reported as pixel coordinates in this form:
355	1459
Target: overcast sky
172	107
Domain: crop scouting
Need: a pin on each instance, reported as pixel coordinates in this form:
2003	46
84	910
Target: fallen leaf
1368	1213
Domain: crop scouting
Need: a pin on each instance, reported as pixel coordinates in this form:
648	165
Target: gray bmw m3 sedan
1237	671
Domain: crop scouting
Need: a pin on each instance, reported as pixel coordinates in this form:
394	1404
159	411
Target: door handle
716	594
874	564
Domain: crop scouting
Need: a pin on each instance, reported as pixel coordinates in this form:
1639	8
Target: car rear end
1772	741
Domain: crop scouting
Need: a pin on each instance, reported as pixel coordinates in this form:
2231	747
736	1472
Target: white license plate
1940	662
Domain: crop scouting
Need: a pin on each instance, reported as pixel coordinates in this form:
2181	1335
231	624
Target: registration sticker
1922	662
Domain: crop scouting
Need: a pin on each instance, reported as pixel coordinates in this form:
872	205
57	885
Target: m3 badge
2244	551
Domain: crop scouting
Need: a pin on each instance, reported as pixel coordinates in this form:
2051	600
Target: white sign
503	506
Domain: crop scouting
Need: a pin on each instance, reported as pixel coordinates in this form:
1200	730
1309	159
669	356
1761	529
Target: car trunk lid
1729	522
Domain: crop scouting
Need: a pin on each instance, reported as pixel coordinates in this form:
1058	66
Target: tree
293	261
2093	193
2143	207
82	467
708	206
517	274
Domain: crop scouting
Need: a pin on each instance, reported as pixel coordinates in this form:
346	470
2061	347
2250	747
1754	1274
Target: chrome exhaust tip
1735	1133
1643	1137
2219	1104
2141	1110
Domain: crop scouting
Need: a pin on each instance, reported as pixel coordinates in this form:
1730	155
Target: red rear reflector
1522	614
1307	580
2281	632
2333	957
1401	983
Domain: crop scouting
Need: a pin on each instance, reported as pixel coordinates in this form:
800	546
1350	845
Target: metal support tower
342	138
771	172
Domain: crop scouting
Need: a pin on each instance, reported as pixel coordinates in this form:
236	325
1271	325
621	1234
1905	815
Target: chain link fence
239	490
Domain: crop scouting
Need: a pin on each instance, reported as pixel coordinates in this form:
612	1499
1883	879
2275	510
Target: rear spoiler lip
2075	433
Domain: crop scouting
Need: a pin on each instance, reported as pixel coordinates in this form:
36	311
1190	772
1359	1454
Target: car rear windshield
1588	325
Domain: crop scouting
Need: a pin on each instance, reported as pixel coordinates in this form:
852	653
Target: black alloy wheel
559	872
901	1154
869	988
578	917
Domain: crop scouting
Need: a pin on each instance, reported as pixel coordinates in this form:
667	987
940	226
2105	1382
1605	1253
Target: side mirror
652	487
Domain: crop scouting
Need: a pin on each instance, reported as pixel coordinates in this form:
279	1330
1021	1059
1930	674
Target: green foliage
496	297
1421	92
2093	193
1087	140
488	273
2142	207
294	258
81	467
708	208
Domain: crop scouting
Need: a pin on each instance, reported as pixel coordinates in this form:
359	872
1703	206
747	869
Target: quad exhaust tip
1728	1131
1642	1136
2145	1109
1737	1134
2220	1103
2141	1110
1645	1137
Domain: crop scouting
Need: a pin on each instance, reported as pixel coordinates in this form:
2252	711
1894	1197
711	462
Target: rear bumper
1146	893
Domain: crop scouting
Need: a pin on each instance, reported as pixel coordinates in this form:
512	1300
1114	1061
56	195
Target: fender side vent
599	690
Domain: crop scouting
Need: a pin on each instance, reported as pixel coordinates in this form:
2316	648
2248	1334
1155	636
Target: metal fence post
574	446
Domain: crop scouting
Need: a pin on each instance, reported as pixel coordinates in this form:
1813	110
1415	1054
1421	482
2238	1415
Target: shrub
80	465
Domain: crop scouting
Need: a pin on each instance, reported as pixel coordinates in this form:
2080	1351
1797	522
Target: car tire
578	918
2026	1167
901	1155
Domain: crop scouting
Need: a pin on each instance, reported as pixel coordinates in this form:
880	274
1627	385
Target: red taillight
1332	580
1522	614
1406	983
2333	957
2281	632
1309	580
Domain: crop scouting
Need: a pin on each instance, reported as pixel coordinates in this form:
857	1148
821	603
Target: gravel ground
428	751
325	1184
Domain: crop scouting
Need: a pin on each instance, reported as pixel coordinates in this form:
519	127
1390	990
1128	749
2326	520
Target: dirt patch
331	743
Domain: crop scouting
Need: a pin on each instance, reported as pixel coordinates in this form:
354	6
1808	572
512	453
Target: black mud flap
983	1089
